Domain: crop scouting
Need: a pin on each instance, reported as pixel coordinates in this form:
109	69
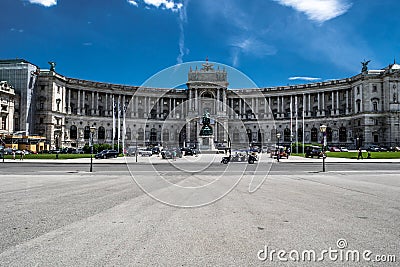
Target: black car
313	151
107	154
169	153
191	152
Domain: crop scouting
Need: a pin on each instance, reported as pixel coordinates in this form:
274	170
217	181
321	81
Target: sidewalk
201	158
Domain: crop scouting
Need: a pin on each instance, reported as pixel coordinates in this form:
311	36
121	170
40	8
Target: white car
343	149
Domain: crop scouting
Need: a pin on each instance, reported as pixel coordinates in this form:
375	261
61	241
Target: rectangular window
41	105
358	90
375	105
374	88
41	120
58	89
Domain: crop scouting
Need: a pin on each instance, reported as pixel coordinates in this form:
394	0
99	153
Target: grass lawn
51	156
353	155
374	155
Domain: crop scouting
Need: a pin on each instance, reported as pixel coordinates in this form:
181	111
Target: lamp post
92	130
136	152
278	135
322	128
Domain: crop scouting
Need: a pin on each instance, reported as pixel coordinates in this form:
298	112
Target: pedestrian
369	154
22	155
360	155
13	155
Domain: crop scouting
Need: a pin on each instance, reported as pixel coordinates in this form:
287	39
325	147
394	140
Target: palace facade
359	111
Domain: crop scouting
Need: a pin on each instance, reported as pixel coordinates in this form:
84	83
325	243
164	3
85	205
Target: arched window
300	135
140	134
273	136
128	134
286	135
153	135
207	95
342	134
165	136
329	134
236	136
249	135
86	132
358	105
314	135
73	132
101	134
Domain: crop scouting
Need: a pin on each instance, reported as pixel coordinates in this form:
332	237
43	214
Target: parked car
168	153
146	153
334	149
373	148
107	154
343	149
313	151
191	151
281	151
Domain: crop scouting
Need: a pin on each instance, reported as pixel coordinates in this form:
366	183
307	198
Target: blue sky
274	42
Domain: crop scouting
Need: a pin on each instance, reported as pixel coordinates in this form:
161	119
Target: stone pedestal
206	143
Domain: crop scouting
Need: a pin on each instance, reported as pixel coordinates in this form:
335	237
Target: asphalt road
62	215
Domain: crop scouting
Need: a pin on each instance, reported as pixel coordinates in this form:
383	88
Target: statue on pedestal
206	130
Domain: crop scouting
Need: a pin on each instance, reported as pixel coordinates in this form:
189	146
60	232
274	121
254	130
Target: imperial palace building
359	111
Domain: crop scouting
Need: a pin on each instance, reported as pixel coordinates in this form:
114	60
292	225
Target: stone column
337	102
106	112
218	107
224	100
278	107
265	107
97	103
309	105
92	108
197	101
304	106
69	101
361	99
240	108
174	107
83	102
190	98
333	111
283	106
79	103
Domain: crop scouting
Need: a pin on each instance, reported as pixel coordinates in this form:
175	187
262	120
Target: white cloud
166	4
318	10
254	47
132	2
46	3
303	78
182	20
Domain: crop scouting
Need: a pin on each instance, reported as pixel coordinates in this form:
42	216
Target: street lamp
136	152
278	135
322	128
92	130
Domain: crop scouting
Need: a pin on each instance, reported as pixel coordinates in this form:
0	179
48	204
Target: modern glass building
21	75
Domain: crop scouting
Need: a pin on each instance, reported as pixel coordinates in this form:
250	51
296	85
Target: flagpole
297	125
113	121
291	121
303	125
119	122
